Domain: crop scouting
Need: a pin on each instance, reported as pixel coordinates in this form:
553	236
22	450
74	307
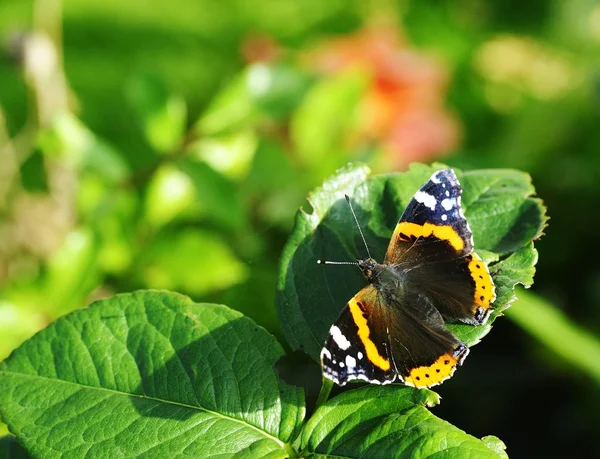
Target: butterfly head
367	267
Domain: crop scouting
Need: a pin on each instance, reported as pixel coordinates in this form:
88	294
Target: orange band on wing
439	371
485	293
444	232
363	333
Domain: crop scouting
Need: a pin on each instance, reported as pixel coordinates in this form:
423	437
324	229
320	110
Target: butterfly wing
433	244
357	346
381	340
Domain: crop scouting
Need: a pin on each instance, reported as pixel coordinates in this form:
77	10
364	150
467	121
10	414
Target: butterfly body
394	329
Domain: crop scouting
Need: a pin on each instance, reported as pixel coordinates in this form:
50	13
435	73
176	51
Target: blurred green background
169	146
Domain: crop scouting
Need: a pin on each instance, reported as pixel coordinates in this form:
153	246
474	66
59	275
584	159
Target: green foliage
387	422
192	374
195	379
150	373
503	216
163	150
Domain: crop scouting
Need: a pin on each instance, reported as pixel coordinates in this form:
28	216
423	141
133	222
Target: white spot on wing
435	179
339	338
447	193
447	203
325	353
359	355
426	199
350	361
444	217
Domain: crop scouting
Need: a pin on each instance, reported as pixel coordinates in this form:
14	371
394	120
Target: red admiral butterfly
393	330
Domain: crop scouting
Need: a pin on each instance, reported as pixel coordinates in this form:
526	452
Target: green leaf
191	260
72	272
261	90
17	322
386	422
321	122
170	194
150	374
230	154
310	295
217	198
162	115
70	141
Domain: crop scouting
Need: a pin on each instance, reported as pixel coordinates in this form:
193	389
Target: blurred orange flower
403	108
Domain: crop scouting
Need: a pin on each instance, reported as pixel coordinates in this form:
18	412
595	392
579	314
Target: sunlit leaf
150	374
72	272
17	322
216	197
386	422
162	114
69	140
170	193
193	261
230	154
323	120
260	91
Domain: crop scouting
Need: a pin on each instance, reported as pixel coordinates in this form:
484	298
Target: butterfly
394	329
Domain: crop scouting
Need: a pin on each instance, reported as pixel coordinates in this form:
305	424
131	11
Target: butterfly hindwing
424	352
381	340
357	345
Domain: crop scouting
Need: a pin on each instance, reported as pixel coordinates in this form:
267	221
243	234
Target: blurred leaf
17	323
280	193
112	214
230	154
151	362
193	261
271	156
70	141
72	272
170	193
310	295
162	115
576	345
261	90
322	122
386	422
217	198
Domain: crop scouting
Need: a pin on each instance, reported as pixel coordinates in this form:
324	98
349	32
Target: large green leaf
498	204
388	422
150	374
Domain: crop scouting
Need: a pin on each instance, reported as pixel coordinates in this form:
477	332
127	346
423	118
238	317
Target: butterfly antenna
325	262
359	230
